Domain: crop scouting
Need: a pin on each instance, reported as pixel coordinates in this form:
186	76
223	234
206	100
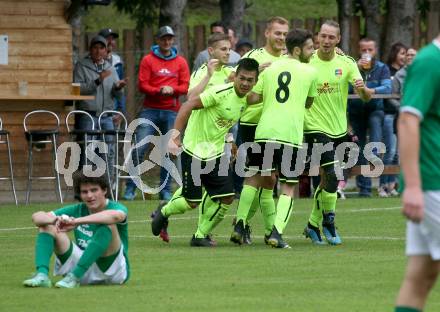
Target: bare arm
42	218
254	98
409	145
197	90
362	90
309	102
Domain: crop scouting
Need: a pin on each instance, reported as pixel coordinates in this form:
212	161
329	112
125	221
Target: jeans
164	121
390	141
363	119
83	122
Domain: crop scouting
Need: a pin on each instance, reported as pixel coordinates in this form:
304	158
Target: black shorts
218	182
284	159
247	135
328	157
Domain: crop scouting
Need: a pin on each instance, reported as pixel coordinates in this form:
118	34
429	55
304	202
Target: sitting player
99	254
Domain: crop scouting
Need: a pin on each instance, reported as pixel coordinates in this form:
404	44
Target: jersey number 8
283	87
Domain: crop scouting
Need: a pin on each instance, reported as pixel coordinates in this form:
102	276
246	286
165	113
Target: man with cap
97	77
163	78
115	60
243	46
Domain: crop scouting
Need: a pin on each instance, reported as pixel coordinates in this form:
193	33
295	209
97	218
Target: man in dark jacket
163	78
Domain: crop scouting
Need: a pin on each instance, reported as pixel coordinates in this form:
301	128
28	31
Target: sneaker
382	192
69	281
314	234
211	239
38	280
159	222
275	240
238	233
329	229
201	242
266	239
247	240
340	193
393	193
129	194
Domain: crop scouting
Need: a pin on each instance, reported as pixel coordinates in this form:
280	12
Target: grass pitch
363	274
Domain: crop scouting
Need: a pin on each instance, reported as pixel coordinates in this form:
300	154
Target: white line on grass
340	210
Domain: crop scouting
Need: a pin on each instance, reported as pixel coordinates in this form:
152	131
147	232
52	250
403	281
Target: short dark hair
297	38
248	64
218	24
367	39
332	23
394	50
80	178
212	39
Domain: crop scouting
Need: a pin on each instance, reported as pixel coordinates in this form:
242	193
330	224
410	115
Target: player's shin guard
247	196
284	210
177	205
253	208
315	218
97	246
214	213
43	251
267	208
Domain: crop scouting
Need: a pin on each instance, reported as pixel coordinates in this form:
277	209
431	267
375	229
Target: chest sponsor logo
225	123
338	72
84	231
325	88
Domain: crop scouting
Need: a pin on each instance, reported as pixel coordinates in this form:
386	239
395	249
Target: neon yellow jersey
328	114
205	133
285	87
252	114
218	77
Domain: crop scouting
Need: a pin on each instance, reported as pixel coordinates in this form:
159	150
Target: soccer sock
254	207
214	214
267	208
43	251
315	218
328	201
406	309
97	246
284	210
177	205
247	196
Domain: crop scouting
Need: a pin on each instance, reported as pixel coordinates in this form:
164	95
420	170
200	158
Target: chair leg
116	168
56	169
11	171
107	168
137	163
29	182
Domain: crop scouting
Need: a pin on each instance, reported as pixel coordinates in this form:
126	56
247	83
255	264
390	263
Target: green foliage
144	12
363	274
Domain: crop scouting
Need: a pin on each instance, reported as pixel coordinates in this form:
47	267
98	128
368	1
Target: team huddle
280	101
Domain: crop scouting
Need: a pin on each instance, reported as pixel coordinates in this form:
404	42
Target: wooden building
39	54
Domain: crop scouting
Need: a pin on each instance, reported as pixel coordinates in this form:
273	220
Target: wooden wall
40	52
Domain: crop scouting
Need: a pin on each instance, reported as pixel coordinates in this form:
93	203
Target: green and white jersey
285	87
421	96
328	115
219	76
205	133
83	233
252	114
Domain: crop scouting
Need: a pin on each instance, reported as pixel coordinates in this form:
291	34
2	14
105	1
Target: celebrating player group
282	95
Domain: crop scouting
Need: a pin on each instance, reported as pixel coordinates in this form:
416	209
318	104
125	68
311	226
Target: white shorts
424	238
115	274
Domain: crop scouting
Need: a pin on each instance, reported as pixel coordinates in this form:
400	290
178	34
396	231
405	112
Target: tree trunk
232	12
171	14
371	10
74	11
400	24
345	11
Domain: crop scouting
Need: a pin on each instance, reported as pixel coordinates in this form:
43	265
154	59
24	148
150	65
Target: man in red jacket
163	77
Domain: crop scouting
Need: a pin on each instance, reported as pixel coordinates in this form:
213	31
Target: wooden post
199	39
185	43
311	24
296	23
355	36
433	26
260	28
417	31
147	40
130	71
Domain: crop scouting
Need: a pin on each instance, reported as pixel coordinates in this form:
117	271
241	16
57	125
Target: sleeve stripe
228	88
412	110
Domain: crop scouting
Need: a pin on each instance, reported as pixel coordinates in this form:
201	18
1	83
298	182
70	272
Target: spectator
368	117
115	60
397	57
243	46
316	40
388	182
97	77
163	77
203	57
233	39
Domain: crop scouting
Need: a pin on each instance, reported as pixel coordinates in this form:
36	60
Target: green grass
363	274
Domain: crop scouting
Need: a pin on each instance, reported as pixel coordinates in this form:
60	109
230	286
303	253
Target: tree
232	12
171	14
144	12
345	10
372	14
399	24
